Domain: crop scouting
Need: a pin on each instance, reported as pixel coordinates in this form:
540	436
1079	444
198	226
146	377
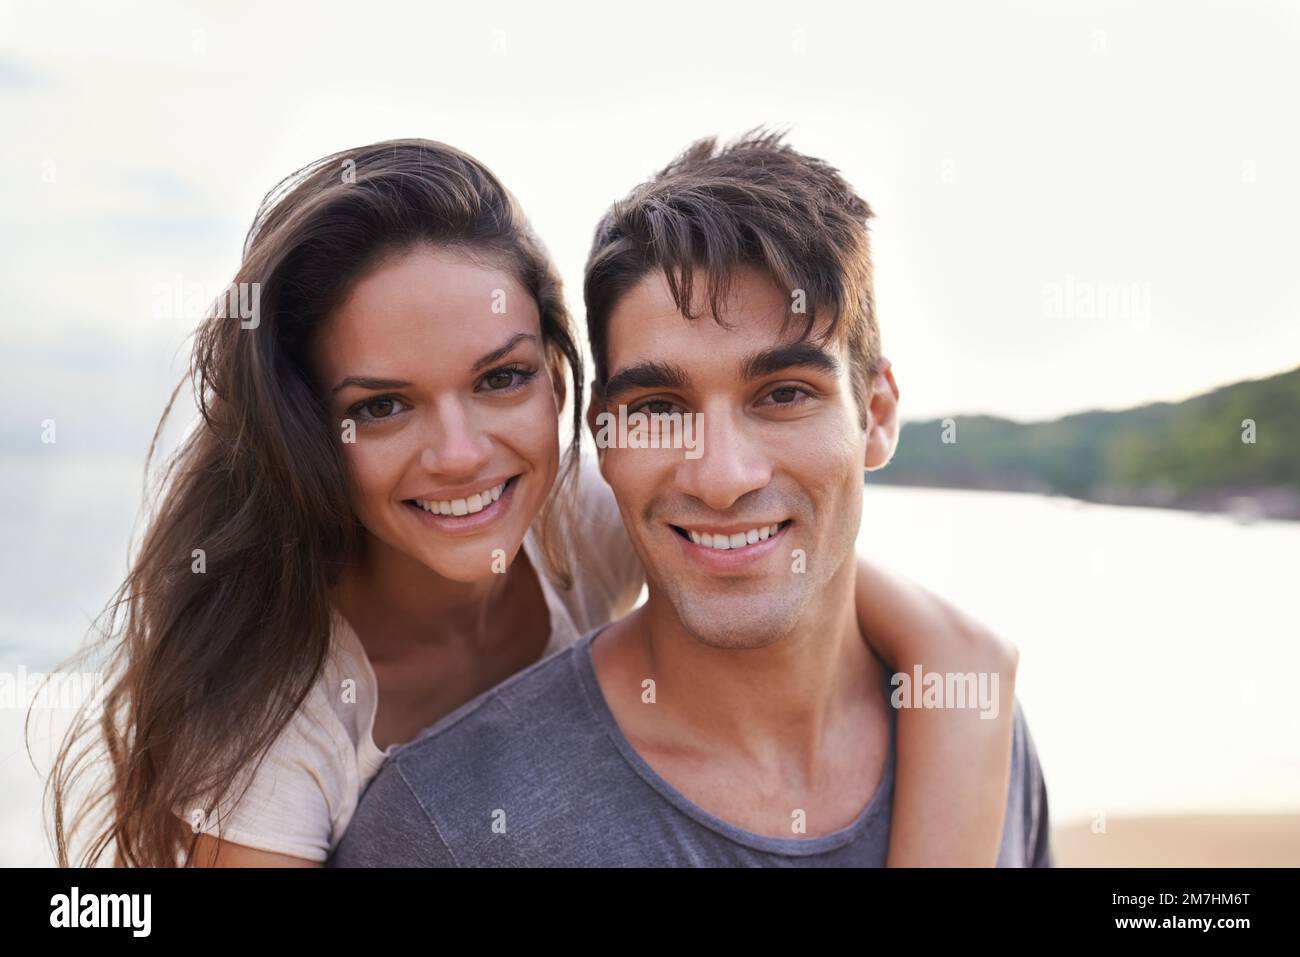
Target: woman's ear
594	407
882	418
557	367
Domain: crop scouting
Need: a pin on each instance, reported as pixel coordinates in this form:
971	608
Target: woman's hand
953	764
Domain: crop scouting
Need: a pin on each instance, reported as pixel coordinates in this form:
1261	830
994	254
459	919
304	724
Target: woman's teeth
738	540
463	506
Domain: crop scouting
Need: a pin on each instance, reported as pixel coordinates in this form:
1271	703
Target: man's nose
733	464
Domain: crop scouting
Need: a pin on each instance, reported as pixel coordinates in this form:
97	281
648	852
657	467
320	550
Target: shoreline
1181	840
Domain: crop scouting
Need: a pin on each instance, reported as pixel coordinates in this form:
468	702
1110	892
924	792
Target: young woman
373	522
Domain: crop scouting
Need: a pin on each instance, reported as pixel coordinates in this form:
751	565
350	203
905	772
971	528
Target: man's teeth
738	540
463	506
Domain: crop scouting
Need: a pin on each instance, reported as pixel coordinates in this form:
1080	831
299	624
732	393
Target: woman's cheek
540	427
372	474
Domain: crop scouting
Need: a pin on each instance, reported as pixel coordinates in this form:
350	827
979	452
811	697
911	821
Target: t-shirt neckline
787	847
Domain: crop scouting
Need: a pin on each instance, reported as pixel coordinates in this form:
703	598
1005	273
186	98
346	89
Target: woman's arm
953	764
214	852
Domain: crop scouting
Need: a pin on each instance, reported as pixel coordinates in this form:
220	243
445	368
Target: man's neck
780	707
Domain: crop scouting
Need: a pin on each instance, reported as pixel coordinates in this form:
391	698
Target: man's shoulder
528	746
489	734
1026	837
497	781
1024	755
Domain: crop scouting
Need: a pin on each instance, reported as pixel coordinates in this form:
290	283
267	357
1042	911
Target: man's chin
737	622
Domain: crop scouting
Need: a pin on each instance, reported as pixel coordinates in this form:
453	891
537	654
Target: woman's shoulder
298	797
347	684
606	569
329	720
597	518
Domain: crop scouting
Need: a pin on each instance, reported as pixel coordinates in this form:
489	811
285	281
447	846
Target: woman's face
434	372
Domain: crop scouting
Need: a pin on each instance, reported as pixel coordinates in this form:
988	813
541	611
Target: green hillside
1187	454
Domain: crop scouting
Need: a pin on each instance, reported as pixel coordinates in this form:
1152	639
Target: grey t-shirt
536	773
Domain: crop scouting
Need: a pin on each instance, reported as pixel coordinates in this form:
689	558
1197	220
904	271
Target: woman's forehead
425	309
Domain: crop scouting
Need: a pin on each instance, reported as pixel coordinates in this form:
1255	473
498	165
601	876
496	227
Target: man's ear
882	424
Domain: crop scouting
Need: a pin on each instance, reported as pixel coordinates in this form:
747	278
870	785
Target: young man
737	717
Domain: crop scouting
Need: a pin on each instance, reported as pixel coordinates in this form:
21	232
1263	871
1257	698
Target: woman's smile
465	515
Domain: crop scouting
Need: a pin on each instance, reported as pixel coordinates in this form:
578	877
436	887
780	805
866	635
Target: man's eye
655	407
505	379
788	395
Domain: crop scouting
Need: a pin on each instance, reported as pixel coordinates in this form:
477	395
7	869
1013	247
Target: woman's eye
502	380
380	407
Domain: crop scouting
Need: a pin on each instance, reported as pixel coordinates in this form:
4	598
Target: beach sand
1199	840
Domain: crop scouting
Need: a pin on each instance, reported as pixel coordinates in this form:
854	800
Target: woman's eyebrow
370	382
496	354
367	382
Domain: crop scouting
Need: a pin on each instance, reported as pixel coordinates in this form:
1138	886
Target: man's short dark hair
755	202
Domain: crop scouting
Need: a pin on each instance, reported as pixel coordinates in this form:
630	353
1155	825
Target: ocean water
1160	650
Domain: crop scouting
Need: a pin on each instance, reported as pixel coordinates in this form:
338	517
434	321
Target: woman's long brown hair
204	669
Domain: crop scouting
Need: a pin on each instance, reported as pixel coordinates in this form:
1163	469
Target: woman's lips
470	522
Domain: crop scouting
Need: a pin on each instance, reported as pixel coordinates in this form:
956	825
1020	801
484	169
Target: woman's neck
395	602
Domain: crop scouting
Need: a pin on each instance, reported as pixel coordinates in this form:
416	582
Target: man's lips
737	535
752	542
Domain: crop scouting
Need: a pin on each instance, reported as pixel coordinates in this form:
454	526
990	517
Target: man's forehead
754	311
745	290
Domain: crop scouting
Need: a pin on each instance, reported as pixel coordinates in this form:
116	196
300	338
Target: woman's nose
455	445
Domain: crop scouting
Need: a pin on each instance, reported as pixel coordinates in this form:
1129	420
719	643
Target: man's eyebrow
765	363
645	375
368	382
496	354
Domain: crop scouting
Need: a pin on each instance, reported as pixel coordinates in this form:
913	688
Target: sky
1078	205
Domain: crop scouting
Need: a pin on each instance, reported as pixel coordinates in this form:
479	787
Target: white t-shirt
304	792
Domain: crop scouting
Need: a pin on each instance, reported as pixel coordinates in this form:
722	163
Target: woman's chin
473	561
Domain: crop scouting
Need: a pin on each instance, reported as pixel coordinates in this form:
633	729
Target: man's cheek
619	470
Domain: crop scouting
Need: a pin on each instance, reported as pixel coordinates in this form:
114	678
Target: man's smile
725	538
715	552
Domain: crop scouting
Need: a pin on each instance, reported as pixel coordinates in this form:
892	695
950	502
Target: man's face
780	478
